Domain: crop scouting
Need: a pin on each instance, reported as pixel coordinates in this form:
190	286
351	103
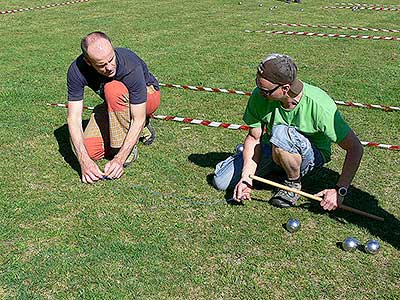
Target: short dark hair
90	37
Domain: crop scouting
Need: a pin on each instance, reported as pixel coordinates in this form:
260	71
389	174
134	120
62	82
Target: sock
298	180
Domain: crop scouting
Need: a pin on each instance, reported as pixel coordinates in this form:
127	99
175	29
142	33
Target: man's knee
117	95
279	153
95	148
227	172
220	182
286	139
153	101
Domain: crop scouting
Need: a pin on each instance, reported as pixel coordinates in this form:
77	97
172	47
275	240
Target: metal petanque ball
350	244
239	148
260	4
293	225
372	247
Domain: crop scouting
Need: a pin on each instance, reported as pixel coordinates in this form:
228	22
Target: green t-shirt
316	117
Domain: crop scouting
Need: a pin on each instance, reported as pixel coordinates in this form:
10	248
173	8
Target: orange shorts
110	121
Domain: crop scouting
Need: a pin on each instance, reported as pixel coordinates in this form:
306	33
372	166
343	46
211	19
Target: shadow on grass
388	231
64	147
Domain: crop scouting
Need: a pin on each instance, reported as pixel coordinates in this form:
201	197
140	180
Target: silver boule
350	244
372	247
293	225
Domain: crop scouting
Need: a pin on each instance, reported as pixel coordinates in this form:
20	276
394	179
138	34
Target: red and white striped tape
232	91
202	122
363	7
368	5
12	11
334	35
66	106
227	125
334	27
205	89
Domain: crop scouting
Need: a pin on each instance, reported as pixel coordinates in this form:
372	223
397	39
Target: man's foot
148	134
285	198
132	157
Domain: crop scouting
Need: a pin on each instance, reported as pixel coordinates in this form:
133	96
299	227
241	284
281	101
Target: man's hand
114	169
90	172
329	199
242	190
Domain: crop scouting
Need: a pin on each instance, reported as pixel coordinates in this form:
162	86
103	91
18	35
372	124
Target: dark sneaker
132	157
148	134
285	198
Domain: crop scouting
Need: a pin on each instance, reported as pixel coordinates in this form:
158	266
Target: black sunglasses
264	91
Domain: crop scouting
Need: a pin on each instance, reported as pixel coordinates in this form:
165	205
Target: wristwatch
341	193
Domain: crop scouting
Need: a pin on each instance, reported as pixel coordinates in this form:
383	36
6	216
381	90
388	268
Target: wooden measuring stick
310	196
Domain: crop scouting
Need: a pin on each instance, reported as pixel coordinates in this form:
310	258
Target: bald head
99	53
93	38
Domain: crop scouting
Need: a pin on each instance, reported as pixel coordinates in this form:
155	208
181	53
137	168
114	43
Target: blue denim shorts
290	140
228	172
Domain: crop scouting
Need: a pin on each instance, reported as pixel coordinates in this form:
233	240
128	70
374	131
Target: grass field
161	231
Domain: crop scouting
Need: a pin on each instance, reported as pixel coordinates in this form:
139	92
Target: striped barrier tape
205	89
367	5
355	7
333	26
335	35
12	11
226	125
232	91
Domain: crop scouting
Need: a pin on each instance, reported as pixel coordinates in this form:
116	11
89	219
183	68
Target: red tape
12	11
232	91
333	26
357	6
336	35
228	126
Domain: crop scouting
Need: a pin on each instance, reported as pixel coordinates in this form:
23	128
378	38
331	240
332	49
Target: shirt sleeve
334	126
75	83
136	85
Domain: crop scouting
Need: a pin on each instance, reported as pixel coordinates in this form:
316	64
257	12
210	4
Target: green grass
161	231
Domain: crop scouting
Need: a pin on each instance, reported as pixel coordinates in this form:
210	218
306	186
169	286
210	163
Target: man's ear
286	88
87	61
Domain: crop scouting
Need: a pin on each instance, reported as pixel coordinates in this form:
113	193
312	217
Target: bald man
131	95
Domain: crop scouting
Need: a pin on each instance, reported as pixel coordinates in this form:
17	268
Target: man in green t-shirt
292	125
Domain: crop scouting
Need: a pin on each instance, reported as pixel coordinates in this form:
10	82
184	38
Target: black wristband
341	190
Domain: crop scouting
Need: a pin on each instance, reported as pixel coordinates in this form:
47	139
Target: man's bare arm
90	171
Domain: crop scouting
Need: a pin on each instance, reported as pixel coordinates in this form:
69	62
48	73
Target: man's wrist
341	190
246	177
